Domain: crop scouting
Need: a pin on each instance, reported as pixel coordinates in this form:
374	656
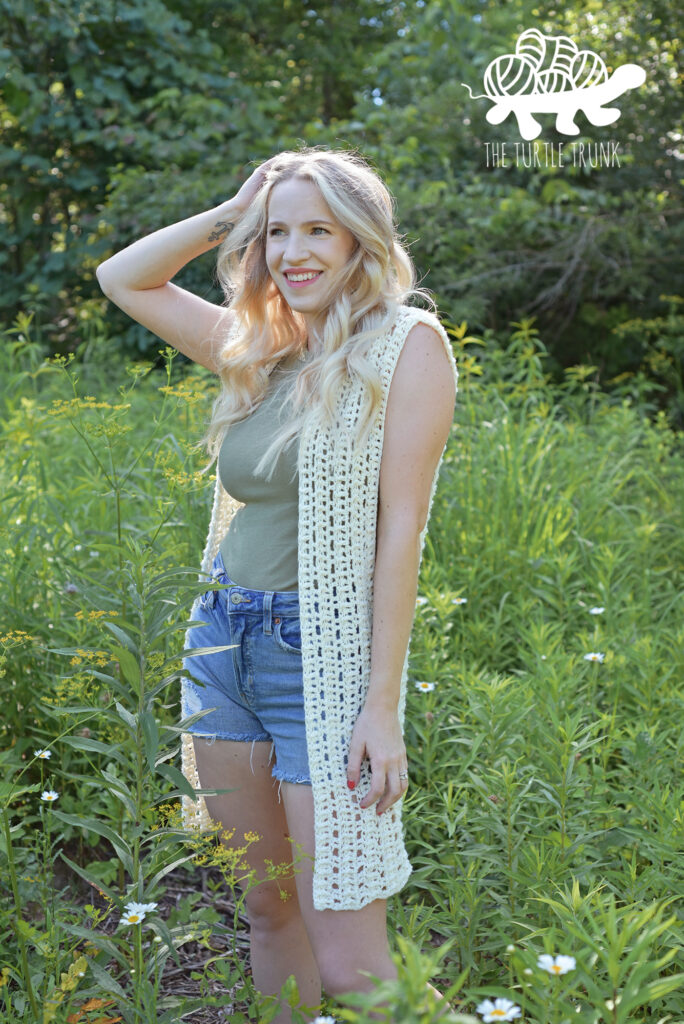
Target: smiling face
305	246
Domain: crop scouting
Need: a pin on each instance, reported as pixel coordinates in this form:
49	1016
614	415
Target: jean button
236	598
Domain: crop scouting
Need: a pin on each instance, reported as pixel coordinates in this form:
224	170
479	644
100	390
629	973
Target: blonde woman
335	406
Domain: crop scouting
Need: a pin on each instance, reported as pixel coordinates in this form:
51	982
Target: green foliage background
547	808
120	116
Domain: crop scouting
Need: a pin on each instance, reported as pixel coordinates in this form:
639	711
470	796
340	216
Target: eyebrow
318	220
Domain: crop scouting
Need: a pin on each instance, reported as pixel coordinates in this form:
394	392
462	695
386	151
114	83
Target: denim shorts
254	689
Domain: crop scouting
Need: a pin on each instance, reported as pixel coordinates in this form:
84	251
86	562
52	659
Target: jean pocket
288	634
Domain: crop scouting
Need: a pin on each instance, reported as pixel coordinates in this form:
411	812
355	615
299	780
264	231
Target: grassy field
546	811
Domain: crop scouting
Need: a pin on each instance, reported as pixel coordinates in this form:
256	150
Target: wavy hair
364	298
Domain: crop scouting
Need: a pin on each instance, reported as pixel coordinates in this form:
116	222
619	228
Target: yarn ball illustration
509	75
542	65
532	44
553	81
588	69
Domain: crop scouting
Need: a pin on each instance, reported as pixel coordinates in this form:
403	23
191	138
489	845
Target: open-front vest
360	855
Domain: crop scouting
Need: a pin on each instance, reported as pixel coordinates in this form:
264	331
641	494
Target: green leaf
107	982
87	877
130	669
176	777
109	750
122	636
130	720
9	792
99	940
150	736
88	824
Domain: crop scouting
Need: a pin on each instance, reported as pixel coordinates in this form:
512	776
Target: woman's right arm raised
138	279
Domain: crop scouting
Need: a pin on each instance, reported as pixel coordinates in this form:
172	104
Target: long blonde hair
378	278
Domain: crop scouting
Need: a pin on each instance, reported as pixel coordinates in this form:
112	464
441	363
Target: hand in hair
253	185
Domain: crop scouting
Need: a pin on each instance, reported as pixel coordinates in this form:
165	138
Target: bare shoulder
420	412
423	373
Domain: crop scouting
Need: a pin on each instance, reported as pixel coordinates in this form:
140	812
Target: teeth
302	277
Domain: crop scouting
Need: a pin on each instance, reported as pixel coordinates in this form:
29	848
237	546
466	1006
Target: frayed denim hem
281	777
239	737
288	777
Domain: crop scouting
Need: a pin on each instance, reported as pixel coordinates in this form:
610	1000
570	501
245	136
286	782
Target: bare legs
327	948
279	944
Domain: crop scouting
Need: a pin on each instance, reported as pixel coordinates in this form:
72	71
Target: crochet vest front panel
359	855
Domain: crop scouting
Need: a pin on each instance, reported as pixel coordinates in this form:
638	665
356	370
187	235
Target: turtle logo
549	74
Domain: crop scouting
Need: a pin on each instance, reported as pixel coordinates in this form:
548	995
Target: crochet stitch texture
359	855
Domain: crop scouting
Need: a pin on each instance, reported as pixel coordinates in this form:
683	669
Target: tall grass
545	808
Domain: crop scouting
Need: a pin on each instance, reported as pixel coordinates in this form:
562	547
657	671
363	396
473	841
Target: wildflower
421	600
425	687
49	796
94	554
131	917
596	611
78	547
140	908
323	1020
543	657
594	656
459	600
71	588
44	754
510	948
500	1009
557	964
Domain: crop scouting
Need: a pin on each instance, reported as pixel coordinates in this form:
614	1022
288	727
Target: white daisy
43	754
324	1020
425	687
459	600
421	600
500	1009
594	656
140	908
596	611
49	796
132	917
557	964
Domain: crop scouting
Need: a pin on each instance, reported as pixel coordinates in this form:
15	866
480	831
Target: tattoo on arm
224	229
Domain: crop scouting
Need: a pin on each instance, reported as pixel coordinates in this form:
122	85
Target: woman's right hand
252	186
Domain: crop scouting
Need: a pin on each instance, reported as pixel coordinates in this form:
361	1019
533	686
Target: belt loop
268	602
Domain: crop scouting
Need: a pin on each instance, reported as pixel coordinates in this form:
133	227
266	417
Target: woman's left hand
377	734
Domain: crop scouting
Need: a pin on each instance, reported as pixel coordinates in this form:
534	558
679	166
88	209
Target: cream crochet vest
360	856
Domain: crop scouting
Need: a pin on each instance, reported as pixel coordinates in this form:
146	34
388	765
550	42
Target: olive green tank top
259	550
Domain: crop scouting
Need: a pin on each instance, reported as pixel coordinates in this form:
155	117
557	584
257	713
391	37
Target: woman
321	560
